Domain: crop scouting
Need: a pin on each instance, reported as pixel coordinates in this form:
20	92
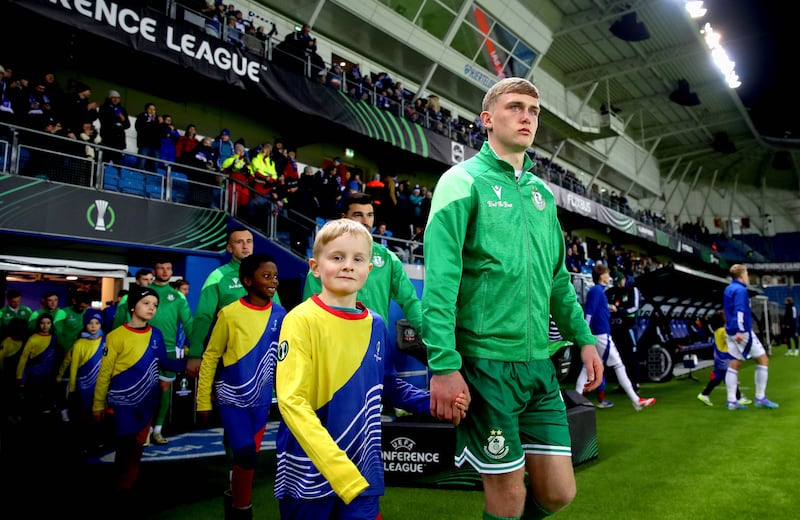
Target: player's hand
445	389
594	367
193	367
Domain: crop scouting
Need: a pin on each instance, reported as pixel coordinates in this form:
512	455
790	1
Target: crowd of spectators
38	102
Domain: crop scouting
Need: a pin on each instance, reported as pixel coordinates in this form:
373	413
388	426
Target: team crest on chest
495	446
538	200
171	297
377	260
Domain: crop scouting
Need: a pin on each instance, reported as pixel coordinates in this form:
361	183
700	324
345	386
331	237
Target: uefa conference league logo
105	215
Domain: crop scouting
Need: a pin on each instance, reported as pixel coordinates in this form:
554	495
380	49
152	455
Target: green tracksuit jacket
494	267
222	287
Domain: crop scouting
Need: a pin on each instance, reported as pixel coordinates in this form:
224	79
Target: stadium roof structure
714	140
681	282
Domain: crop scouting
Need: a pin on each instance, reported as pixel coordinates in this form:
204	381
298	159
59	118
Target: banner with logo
188	46
37	206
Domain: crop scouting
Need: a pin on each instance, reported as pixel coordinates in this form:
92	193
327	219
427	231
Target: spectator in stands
434	108
78	108
597	314
40	106
401	220
201	157
48	151
241	23
472	259
91	136
264	179
17	90
401	93
223	147
186	143
354	183
237	167
306	41
233	34
789	327
383	81
743	343
327	192
415	201
263	35
418	239
6	99
426	206
379	194
114	121
574	262
306	198
290	170
52	88
334	76
381	233
279	155
169	140
148	137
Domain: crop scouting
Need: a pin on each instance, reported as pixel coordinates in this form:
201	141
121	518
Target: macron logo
498	191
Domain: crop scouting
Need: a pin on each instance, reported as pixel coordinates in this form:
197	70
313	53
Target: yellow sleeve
65	365
106	371
296	381
217	344
23	360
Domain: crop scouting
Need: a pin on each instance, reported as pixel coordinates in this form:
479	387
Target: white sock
157	428
731	382
625	383
762	372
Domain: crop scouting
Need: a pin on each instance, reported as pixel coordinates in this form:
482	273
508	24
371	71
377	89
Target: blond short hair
737	271
333	229
508	86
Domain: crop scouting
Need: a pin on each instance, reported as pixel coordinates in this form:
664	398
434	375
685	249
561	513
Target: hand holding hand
193	367
445	389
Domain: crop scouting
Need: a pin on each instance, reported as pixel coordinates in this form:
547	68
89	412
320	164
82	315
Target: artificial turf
677	460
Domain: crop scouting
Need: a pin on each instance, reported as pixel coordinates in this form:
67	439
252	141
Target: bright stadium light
696	9
718	54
